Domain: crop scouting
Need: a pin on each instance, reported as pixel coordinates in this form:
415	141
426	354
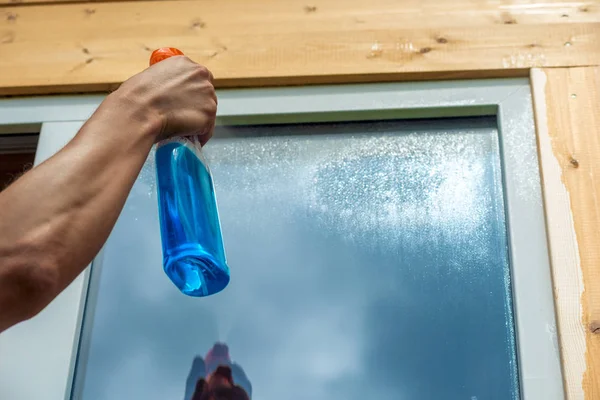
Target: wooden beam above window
84	47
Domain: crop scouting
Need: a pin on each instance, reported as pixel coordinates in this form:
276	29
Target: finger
208	133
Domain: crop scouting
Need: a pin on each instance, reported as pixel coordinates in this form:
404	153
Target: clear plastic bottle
192	244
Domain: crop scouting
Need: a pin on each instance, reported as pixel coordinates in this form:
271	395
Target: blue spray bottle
193	253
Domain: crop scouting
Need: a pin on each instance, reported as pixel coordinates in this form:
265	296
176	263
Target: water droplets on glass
366	258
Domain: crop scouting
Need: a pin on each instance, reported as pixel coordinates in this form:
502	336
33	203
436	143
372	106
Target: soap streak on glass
193	254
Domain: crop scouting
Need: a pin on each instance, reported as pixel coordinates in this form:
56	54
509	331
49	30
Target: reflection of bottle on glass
212	366
193	253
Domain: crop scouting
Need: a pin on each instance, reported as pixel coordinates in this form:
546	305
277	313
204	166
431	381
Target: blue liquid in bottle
193	253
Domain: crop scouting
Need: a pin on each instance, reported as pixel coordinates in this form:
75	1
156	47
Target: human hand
178	93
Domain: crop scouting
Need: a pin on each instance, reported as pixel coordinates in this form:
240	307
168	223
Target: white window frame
38	357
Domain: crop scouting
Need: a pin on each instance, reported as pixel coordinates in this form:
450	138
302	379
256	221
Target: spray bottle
192	244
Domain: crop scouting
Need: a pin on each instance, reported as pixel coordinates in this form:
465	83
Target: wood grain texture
94	47
521	11
567	104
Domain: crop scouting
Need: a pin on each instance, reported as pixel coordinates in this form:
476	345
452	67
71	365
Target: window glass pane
368	261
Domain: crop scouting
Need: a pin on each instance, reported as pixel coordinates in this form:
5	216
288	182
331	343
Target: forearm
55	218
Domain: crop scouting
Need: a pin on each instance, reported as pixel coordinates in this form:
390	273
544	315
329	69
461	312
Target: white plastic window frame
38	357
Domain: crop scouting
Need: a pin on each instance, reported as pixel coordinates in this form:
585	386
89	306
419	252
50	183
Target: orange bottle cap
163	53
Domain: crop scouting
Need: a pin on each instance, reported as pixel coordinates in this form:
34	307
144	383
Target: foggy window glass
368	261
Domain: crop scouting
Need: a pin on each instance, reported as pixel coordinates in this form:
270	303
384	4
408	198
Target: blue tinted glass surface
368	261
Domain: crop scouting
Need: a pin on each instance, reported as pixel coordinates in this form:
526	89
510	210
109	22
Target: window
379	238
366	257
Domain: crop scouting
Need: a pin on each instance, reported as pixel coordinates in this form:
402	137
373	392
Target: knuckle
208	86
210	107
209	89
202	71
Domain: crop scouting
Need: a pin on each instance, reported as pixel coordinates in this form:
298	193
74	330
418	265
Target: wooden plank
274	16
511	11
54	2
317	3
565	8
291	16
567	106
82	47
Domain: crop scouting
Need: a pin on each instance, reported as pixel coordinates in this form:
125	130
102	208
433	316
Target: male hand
178	93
